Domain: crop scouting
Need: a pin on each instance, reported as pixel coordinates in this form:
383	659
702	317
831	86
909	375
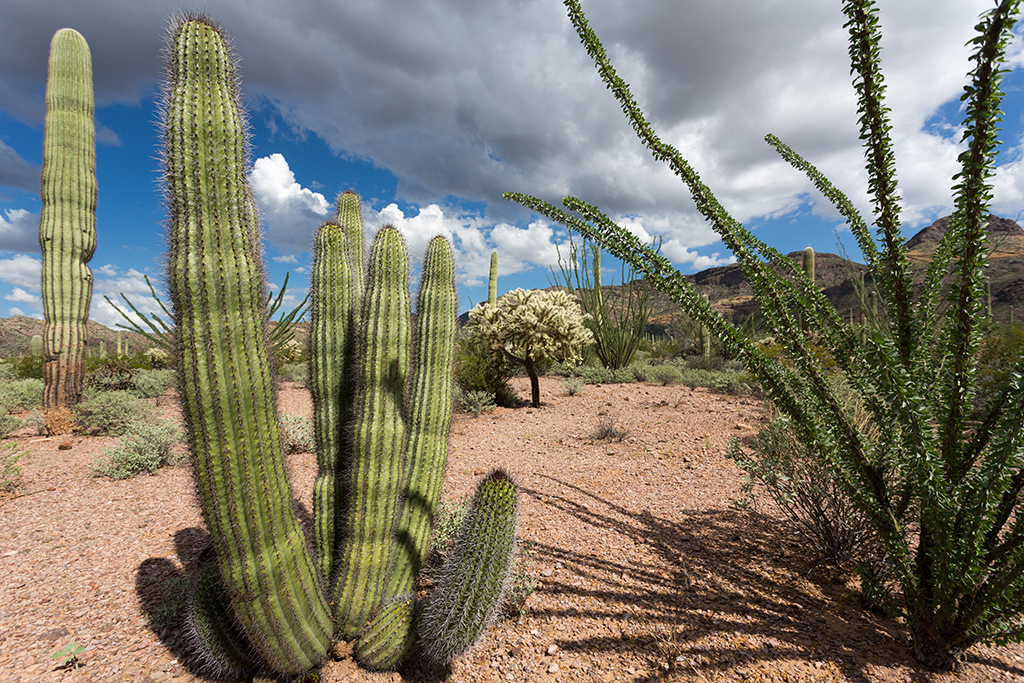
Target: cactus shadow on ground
711	612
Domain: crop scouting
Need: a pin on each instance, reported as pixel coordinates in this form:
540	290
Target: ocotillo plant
260	599
67	225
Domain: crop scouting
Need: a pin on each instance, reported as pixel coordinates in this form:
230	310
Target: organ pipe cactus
67	226
218	290
381	420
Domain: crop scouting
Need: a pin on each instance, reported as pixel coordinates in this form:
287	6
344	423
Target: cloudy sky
432	109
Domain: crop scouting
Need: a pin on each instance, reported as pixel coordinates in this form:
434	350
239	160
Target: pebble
552	668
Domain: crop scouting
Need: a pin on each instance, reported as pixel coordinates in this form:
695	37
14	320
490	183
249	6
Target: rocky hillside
17	331
729	292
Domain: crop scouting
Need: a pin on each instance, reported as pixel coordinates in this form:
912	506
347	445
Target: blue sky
431	110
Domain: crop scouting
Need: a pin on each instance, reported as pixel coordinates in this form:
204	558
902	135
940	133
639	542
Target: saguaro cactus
492	281
217	286
67	226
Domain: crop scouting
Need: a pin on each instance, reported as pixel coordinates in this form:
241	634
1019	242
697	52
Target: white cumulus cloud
19	294
22	270
291	213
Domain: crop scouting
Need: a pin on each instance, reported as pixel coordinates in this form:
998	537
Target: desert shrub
294	372
143	447
479	368
8	424
607	429
720	381
297	433
21	394
10	471
111	412
25	367
573	386
1001	349
152	383
476	402
664	374
804	488
597	374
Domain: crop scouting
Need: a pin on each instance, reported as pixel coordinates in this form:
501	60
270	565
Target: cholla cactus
532	326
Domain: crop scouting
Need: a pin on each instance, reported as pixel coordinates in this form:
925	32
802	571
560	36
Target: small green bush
8	424
720	381
665	375
573	386
21	394
111	412
152	383
478	368
294	372
591	374
25	367
144	447
297	433
477	402
10	470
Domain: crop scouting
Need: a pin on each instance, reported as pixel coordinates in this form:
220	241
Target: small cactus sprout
67	225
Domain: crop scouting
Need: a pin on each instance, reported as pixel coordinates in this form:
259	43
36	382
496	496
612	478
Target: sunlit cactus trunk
217	285
67	227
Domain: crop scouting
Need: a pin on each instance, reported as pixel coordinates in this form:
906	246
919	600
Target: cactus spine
492	281
217	286
67	226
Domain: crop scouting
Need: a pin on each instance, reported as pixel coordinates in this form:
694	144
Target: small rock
478	471
516	651
552	649
553	668
28	661
547	572
740	425
64	446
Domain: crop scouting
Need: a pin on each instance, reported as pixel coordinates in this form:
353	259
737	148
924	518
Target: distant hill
730	293
17	331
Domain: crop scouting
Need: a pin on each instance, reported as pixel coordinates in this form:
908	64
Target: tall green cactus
67	226
218	290
808	263
381	421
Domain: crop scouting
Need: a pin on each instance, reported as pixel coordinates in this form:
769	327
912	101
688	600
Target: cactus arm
375	476
475	579
390	635
67	227
430	413
218	292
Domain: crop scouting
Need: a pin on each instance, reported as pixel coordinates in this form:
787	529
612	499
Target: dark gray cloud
473	99
16	172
